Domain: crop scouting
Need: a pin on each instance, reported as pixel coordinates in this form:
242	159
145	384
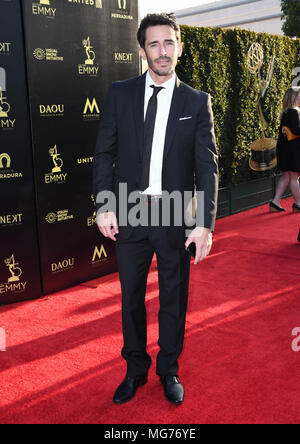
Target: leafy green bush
215	61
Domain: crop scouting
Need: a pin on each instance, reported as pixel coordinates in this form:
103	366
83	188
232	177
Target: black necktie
148	137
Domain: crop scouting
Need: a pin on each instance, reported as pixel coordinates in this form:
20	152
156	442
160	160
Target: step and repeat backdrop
56	65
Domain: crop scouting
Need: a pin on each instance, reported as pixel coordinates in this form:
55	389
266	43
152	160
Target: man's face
162	50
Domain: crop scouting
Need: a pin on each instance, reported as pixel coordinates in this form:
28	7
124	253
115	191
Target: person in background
288	150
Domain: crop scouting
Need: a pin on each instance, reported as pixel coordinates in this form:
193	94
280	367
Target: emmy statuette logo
58	162
91	220
14	283
4	106
5	121
89	67
15	271
89	52
43	8
263	150
56	175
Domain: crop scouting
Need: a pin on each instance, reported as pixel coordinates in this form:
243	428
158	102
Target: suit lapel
138	110
176	111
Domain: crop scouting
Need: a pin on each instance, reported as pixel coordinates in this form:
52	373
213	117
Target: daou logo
52	110
63	265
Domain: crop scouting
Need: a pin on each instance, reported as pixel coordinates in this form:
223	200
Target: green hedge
214	60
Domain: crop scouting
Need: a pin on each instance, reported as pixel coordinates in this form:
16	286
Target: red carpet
62	363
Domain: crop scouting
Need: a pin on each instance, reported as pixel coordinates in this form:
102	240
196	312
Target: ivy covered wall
215	61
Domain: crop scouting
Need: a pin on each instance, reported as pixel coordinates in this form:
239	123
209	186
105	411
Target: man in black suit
156	137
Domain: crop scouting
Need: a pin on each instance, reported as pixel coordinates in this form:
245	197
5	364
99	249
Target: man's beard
156	71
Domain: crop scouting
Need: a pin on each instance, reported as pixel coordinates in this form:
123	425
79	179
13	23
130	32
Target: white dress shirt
164	100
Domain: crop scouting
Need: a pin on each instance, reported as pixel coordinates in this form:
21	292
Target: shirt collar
169	85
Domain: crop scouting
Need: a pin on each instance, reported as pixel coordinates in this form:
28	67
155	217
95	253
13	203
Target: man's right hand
108	225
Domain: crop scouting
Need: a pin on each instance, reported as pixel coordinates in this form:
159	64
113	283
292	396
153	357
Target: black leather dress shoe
126	391
174	390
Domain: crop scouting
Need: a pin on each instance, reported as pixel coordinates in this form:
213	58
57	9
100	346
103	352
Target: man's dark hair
156	20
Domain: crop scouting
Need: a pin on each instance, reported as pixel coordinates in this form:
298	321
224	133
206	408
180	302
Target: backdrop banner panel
75	49
19	254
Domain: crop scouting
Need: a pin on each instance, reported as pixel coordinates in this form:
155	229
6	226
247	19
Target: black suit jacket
190	155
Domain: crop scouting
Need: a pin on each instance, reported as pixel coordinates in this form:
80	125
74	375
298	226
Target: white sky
147	6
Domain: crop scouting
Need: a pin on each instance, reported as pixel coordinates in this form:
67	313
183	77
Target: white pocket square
186	118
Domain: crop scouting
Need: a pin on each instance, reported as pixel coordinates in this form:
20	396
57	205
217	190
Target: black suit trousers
134	258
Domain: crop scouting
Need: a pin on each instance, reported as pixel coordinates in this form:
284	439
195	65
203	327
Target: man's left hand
203	240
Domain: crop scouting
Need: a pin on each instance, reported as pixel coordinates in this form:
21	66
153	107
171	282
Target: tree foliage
291	17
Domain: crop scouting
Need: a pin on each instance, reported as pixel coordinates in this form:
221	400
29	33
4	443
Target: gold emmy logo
91	56
15	271
4	106
13	283
263	150
99	253
89	67
91	221
43	8
5	122
56	175
58	162
8	161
